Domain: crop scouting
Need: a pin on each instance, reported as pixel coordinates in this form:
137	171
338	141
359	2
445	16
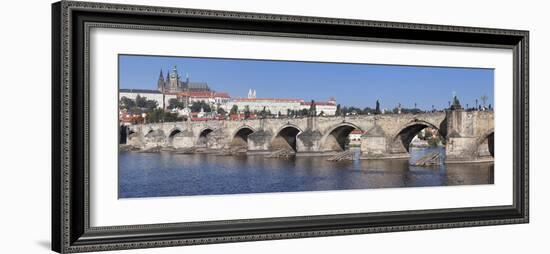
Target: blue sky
357	85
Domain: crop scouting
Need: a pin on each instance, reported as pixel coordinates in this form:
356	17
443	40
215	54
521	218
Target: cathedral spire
161	83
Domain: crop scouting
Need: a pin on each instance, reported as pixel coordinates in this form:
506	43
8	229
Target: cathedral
174	84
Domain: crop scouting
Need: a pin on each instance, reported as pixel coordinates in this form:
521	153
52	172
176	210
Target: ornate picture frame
71	229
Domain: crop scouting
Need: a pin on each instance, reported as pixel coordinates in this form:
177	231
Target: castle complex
174	84
174	87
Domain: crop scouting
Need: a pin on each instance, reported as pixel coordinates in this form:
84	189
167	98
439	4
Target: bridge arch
405	134
154	133
155	137
171	134
485	145
203	136
132	133
239	138
285	137
336	137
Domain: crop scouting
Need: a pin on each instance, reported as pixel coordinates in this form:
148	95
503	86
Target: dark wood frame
71	231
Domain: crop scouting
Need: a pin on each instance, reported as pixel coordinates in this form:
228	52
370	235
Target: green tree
140	101
127	103
196	107
143	102
175	103
368	110
221	111
345	110
246	112
234	110
159	115
433	142
151	104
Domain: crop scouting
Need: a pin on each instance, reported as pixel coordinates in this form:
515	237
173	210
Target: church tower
174	82
185	85
160	82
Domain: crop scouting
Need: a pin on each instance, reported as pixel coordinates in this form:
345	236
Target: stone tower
174	82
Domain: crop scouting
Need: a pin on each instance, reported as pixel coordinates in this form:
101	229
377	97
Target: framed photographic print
181	126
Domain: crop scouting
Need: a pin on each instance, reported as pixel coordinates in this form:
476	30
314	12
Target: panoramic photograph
215	126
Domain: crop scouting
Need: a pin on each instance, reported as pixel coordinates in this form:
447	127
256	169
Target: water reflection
167	174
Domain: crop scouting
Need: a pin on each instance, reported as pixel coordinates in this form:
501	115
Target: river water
168	174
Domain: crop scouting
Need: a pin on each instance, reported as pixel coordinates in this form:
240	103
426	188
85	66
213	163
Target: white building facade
149	94
279	106
326	108
355	137
275	106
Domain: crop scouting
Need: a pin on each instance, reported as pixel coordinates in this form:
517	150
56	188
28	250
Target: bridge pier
183	139
217	140
135	140
259	142
154	138
308	143
459	149
469	136
468	150
375	146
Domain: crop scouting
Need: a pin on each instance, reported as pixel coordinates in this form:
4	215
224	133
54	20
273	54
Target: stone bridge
468	134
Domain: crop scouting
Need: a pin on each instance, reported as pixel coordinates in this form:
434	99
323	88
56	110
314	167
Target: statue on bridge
456	104
312	109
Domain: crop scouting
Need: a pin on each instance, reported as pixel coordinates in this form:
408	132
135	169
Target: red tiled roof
222	95
204	94
199	119
269	99
356	131
130	118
